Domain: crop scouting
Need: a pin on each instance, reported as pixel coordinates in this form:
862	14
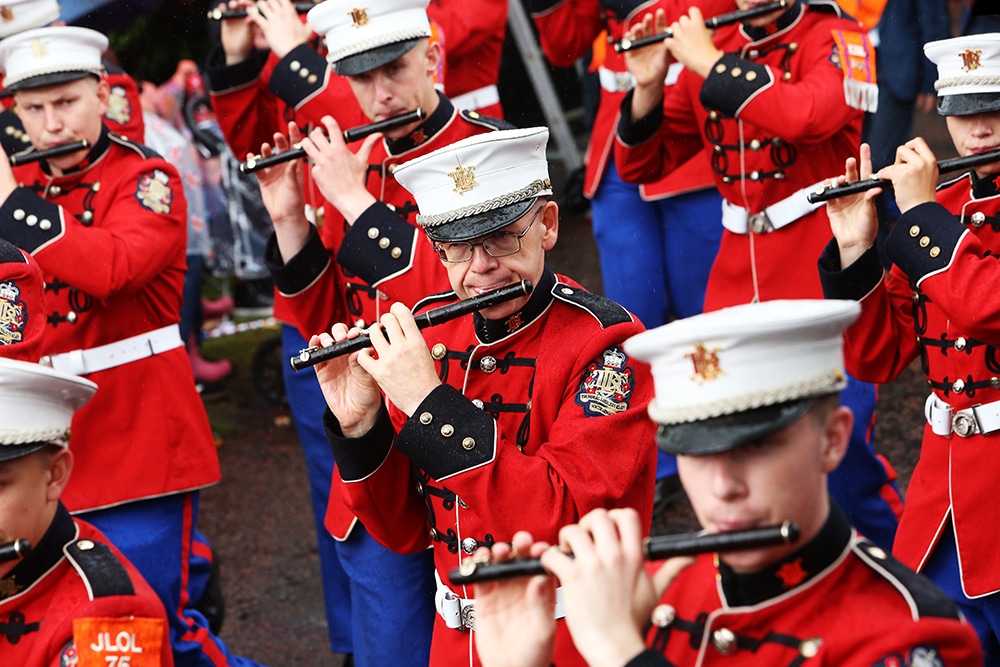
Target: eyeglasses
500	244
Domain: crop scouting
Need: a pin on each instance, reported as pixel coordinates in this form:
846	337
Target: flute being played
26	157
627	44
14	549
223	14
828	192
353	134
654	548
314	355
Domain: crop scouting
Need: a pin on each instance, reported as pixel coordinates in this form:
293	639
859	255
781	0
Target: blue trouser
983	613
379	604
860	480
655	255
159	537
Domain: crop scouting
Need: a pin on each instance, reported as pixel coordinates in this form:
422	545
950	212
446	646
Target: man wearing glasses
527	412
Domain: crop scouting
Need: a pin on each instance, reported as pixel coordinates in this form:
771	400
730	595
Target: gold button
312	78
718	149
935	251
391	169
663	615
876	552
924	241
294	65
753	53
793	47
751	75
473	114
426	418
31	220
19	214
736	72
55	190
755	144
373	232
786	76
567	290
383	243
810	647
713	115
71	317
9	130
85	545
914	231
304	72
469	444
726	179
447	430
439	351
720	68
396	253
45	225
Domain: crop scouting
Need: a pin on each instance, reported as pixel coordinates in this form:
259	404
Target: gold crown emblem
7	14
706	364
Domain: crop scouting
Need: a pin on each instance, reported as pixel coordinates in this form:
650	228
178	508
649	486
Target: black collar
756	34
426	130
983	188
95	153
43	556
491	331
795	570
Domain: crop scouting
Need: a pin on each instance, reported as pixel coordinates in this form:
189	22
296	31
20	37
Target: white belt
103	357
622	82
738	220
460	613
480	98
979	419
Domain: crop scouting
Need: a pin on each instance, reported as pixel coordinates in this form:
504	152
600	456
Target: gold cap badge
359	17
706	364
464	179
971	59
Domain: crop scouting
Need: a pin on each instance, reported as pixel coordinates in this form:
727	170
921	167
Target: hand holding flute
629	44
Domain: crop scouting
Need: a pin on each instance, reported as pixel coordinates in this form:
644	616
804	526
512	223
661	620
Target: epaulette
923	597
828	7
477	118
605	311
427	301
99	568
141	149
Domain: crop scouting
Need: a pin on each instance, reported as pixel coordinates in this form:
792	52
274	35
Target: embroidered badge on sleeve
13	314
607	384
119	109
919	656
154	193
115	642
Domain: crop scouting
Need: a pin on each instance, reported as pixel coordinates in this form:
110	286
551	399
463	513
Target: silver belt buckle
468	614
759	223
965	425
623	81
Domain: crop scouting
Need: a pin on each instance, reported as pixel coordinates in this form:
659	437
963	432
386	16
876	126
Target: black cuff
358	458
633	132
378	245
447	434
222	77
923	241
299	75
28	221
300	271
732	82
855	281
648	658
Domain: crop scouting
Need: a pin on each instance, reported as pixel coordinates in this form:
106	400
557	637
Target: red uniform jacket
110	238
541	418
839	601
773	113
567	30
68	592
473	43
936	304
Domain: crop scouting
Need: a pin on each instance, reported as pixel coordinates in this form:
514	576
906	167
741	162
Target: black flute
828	192
25	157
13	550
717	22
654	548
353	134
314	355
222	14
